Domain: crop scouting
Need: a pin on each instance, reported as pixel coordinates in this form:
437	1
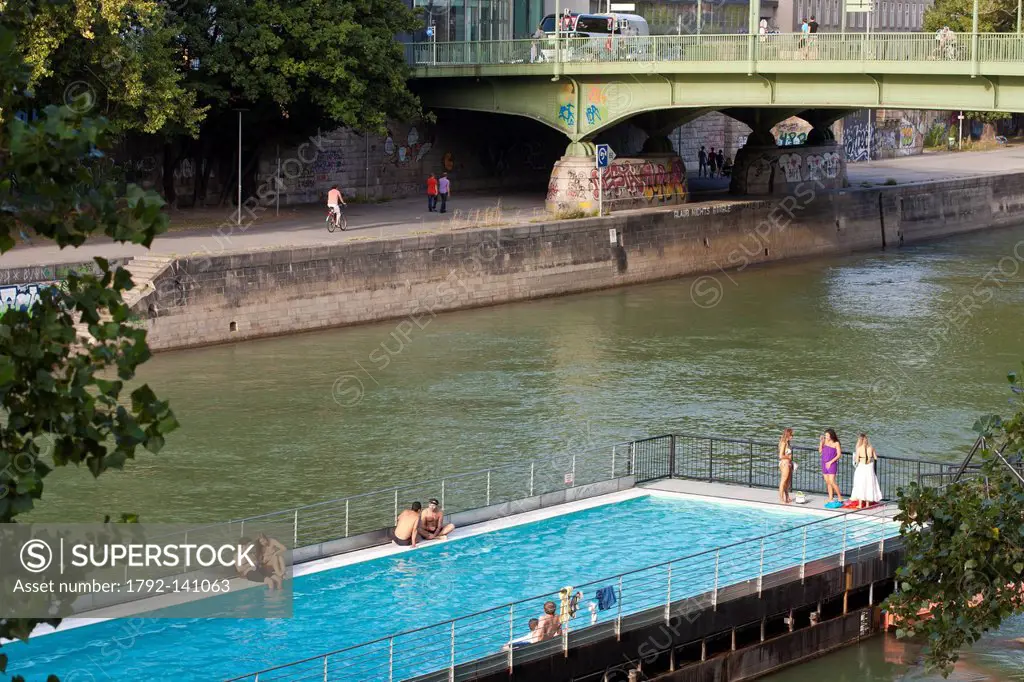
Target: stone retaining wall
202	301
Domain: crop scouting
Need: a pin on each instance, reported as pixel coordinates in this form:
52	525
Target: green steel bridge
582	86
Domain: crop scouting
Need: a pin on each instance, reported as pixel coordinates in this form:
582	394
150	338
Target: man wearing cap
432	520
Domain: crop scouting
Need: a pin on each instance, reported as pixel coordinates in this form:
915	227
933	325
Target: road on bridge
305	226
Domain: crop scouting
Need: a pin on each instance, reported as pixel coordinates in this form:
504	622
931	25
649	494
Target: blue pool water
442	580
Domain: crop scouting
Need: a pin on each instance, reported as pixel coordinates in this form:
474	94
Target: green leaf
7	370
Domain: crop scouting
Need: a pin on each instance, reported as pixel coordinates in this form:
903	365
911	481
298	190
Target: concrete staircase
144	271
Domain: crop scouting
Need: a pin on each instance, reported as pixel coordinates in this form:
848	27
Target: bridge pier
763	168
657	176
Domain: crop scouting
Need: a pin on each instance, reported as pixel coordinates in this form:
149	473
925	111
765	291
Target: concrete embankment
207	300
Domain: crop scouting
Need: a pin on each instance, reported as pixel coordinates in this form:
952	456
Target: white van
615	36
599	25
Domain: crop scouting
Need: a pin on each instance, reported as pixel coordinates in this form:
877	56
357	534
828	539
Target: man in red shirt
431	192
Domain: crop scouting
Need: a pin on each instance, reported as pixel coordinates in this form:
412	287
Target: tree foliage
988	116
994	16
117	58
301	63
62	399
965	546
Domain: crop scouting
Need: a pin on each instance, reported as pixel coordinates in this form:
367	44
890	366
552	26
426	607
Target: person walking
444	188
720	161
702	162
785	466
812	28
536	51
431	193
805	30
712	163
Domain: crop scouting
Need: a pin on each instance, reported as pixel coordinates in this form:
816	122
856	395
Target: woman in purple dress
830	449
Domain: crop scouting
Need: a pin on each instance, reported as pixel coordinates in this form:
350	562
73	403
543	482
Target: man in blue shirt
443	188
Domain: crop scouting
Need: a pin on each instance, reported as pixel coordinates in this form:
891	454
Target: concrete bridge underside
581	106
584	105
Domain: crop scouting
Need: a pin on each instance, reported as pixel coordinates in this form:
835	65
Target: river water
910	345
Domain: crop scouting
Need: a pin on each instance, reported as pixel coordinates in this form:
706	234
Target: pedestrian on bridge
702	162
444	187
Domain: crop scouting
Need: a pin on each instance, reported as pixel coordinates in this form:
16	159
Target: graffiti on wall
767	172
634	180
567	114
405	152
597	101
791	138
857	137
791	132
823	166
791	166
19	296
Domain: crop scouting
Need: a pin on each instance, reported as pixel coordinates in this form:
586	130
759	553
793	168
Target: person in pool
271	553
407	526
255	573
432	522
831	449
549	626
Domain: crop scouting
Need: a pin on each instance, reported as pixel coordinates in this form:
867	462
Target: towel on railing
605	598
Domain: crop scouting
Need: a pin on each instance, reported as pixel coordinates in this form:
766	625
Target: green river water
910	345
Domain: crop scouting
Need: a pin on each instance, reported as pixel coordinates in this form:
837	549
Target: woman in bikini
830	449
785	466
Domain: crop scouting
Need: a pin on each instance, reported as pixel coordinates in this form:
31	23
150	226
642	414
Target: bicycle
341	222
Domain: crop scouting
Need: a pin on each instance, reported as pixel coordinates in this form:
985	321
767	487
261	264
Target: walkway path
305	226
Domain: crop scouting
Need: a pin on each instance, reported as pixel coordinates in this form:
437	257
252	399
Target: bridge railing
834	47
1001	47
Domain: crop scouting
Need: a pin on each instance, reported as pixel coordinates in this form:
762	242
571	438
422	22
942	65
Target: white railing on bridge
835	47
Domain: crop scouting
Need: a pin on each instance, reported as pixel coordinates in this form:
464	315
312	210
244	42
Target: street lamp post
240	164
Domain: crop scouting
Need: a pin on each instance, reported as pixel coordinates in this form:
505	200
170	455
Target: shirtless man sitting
407	525
431	520
549	625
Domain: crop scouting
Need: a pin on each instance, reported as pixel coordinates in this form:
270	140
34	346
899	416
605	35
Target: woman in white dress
865	483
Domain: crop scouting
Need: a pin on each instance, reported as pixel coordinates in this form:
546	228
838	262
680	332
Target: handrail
392	489
292	511
959	48
808	448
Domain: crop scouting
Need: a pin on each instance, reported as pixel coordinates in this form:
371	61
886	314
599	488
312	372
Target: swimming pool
442	580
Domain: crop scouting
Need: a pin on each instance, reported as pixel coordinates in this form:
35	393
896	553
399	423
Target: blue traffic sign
603	155
430	31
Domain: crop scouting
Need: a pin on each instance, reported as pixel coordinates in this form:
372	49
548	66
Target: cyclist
335	201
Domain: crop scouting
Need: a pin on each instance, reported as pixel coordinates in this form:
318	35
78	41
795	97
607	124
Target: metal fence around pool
345	517
756	464
714	459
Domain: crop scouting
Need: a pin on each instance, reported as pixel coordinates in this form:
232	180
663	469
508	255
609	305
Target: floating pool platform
735	612
710	577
